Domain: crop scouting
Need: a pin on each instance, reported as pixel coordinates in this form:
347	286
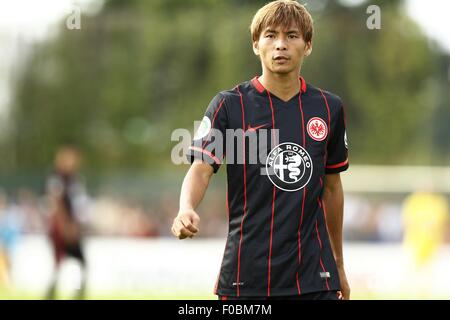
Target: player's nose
280	44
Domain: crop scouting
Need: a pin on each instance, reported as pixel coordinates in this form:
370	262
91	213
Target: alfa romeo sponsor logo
289	166
317	129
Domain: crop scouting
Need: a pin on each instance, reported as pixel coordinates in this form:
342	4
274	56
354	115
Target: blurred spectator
389	224
425	214
67	199
123	218
28	204
358	224
425	217
11	221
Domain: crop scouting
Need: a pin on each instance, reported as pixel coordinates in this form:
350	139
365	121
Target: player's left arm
333	194
333	201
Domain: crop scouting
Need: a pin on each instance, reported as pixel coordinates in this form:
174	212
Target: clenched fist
185	224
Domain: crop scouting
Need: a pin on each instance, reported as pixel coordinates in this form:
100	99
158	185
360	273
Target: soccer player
286	212
66	195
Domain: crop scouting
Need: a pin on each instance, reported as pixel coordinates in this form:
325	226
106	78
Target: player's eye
293	36
270	35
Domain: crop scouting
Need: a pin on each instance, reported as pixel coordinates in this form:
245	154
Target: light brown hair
282	13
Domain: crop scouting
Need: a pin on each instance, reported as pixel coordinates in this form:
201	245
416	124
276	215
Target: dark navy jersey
278	241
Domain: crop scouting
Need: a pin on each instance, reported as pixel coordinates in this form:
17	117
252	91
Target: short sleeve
337	149
209	139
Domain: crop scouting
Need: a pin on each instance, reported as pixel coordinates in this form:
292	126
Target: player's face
281	49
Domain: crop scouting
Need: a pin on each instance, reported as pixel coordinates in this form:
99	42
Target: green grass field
8	294
20	295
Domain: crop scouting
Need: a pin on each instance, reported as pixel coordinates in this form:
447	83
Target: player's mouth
281	59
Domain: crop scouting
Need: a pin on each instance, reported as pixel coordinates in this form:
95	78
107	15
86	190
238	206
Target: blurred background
115	78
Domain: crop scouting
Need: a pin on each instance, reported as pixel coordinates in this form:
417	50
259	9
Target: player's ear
308	48
256	47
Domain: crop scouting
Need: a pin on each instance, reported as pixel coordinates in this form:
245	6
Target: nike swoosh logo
251	129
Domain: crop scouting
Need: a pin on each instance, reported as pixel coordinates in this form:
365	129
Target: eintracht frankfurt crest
317	129
289	166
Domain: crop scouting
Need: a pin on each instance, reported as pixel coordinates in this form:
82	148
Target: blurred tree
381	75
139	69
440	142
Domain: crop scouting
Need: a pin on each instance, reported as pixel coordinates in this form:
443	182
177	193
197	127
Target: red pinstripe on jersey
321	263
273	203
329	117
245	194
213	121
304	190
329	126
321	205
226	244
321	182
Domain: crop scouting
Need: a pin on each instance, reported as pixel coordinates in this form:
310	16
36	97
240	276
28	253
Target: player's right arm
193	189
206	155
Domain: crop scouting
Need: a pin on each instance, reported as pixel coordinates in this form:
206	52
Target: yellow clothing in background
424	217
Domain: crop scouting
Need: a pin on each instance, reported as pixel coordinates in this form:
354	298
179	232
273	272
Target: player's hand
344	294
185	224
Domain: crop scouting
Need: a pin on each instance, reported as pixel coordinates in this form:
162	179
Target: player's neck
284	86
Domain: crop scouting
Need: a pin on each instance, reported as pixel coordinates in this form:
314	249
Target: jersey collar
260	88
